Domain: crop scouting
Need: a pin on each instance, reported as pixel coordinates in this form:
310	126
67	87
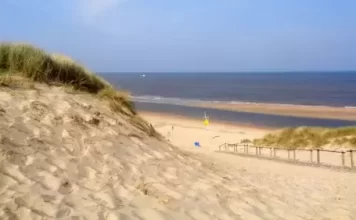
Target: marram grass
36	64
310	137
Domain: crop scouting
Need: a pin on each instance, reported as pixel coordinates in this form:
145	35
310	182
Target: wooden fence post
270	151
256	150
311	156
246	149
294	156
352	158
318	156
288	154
274	152
343	158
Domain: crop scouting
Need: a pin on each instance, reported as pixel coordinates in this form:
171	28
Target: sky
189	35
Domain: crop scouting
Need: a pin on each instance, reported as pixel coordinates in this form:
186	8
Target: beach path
264	189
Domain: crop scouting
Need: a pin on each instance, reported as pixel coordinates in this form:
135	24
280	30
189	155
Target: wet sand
326	112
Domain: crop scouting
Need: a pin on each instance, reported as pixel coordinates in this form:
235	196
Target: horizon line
289	71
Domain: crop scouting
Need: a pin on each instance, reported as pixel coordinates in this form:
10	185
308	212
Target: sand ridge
56	162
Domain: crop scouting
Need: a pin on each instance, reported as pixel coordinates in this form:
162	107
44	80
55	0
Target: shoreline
308	111
199	123
241	118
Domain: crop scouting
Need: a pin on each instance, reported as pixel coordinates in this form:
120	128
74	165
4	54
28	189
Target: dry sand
56	162
186	131
287	186
327	112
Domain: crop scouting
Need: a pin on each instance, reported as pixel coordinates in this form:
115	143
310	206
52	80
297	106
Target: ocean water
242	118
164	92
306	88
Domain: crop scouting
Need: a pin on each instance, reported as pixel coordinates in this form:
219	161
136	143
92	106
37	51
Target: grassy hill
23	62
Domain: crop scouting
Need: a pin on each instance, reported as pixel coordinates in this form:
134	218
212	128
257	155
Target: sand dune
56	162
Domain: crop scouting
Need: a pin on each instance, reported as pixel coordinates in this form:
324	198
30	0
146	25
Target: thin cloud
91	10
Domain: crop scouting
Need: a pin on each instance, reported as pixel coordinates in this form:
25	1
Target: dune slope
68	156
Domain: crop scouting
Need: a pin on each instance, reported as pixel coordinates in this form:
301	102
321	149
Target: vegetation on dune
23	62
310	137
36	64
119	100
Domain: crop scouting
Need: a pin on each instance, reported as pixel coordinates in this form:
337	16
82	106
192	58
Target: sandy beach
57	162
321	191
325	112
184	131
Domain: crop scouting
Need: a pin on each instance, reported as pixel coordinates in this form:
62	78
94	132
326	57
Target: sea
169	92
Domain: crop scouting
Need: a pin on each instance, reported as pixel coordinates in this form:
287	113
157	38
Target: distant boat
143	75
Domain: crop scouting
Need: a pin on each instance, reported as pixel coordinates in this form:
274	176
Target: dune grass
310	137
119	100
36	65
9	80
245	141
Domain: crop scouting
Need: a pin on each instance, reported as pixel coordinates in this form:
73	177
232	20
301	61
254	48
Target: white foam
183	101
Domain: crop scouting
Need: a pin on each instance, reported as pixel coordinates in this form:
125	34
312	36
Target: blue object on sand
197	144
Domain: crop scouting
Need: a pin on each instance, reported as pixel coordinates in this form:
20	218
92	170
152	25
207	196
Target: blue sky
189	35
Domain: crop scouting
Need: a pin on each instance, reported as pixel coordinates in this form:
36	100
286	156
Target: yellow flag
206	122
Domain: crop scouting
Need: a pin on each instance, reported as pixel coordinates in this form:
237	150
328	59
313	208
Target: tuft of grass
141	124
352	141
14	81
245	141
119	101
309	137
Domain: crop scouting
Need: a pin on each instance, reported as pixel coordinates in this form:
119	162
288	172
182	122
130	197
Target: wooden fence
336	158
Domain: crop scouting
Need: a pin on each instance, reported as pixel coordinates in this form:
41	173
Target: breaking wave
181	101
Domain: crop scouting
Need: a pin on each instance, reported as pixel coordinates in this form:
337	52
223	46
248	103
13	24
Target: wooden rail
309	156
